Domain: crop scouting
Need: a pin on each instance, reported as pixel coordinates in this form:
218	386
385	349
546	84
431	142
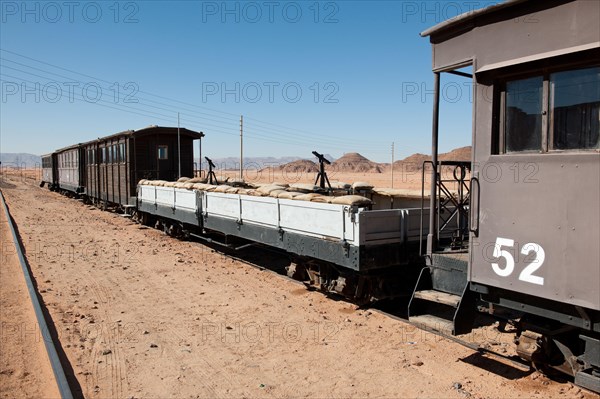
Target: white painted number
527	273
499	252
540	256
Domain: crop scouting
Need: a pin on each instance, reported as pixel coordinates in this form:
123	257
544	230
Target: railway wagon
70	176
116	163
532	254
338	244
49	172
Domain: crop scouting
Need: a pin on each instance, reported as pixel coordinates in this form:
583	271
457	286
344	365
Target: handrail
422	203
446	201
476	229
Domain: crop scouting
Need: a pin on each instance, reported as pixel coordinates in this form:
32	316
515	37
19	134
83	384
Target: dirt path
144	315
25	370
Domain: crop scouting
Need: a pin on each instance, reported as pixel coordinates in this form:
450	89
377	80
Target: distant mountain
233	163
299	166
415	161
354	162
20	160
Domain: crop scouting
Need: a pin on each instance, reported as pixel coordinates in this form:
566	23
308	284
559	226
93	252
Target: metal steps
438	297
441	299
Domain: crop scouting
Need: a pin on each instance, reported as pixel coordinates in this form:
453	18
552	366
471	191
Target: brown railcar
70	163
49	170
114	164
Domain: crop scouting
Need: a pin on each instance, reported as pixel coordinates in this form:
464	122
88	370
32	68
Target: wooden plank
438	297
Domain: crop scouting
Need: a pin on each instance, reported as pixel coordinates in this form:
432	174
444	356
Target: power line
280	131
255	130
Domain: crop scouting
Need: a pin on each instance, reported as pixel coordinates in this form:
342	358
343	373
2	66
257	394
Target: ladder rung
438	297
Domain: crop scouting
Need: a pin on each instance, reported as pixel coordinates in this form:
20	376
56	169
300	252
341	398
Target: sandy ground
140	314
25	370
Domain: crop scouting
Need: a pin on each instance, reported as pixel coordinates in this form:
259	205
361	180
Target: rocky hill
299	166
415	161
354	162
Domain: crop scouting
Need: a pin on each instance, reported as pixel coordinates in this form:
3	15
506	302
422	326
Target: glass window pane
523	124
575	97
162	152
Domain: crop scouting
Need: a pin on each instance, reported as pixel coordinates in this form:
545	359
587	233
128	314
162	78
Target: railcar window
575	107
122	158
557	111
524	115
163	152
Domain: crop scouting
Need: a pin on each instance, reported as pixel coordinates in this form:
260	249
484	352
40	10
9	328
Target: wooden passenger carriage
114	164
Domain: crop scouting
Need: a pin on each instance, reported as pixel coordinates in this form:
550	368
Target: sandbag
275	193
353	200
306	197
198	180
188	185
288	195
183	179
322	199
256	193
200	186
222	188
361	185
267	189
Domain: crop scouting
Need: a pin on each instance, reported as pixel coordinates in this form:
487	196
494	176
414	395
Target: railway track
49	340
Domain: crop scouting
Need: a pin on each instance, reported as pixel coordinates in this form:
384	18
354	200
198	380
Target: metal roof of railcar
139	132
71	147
471	16
149	130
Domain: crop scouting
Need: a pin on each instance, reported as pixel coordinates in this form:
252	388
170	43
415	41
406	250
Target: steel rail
57	368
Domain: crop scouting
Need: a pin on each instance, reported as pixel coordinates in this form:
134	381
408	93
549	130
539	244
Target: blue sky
329	76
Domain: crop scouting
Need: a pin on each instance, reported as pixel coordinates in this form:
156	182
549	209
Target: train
514	232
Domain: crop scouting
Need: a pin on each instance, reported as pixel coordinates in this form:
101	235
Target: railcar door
163	162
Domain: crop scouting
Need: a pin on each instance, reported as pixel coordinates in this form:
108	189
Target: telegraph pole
392	164
241	146
200	156
178	149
